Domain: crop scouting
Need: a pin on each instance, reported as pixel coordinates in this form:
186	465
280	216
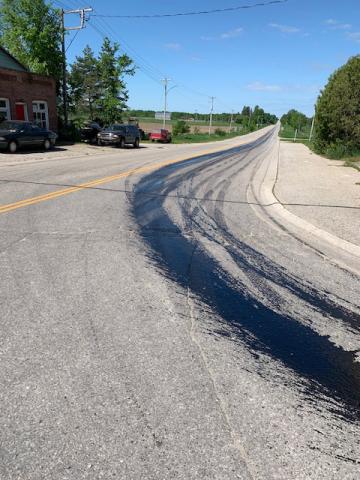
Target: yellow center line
59	193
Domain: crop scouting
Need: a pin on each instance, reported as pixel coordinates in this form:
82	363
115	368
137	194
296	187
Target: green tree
180	128
246	111
338	111
295	119
31	31
84	84
96	84
112	69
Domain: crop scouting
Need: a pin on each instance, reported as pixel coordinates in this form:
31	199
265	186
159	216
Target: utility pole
312	127
231	119
211	113
81	12
295	135
166	83
64	91
166	91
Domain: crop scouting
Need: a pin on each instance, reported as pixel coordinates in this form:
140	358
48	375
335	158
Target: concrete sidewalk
323	192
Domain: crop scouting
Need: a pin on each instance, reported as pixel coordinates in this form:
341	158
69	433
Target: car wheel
47	144
93	140
13	147
122	143
100	143
137	143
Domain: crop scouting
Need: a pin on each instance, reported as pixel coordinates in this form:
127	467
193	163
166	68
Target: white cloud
195	58
232	33
285	28
335	25
355	36
225	35
173	46
262	87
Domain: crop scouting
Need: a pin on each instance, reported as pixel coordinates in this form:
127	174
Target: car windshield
11	126
112	128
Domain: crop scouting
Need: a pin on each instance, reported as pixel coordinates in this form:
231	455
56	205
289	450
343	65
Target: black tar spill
327	369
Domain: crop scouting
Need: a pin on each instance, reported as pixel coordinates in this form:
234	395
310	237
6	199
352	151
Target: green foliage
258	117
84	80
180	128
31	31
96	84
296	120
338	112
288	131
246	112
219	132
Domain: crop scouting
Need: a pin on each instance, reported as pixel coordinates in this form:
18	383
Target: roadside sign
160	116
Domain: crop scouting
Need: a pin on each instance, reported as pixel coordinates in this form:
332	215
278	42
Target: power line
72	40
147	70
201	12
104	29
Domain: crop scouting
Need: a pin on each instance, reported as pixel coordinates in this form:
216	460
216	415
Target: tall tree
112	69
84	83
31	31
338	110
295	119
97	84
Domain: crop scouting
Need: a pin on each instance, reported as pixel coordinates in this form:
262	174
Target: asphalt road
156	324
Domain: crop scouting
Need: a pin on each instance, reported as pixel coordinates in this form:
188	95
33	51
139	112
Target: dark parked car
120	135
16	134
89	132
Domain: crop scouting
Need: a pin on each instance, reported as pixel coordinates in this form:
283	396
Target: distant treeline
248	116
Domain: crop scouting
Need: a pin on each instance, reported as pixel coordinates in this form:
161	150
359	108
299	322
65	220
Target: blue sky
277	56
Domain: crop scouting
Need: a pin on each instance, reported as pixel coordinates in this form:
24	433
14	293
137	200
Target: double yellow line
76	188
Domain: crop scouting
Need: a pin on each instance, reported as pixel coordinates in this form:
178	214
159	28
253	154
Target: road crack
236	440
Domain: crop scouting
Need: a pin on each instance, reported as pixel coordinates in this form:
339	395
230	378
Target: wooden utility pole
81	12
211	114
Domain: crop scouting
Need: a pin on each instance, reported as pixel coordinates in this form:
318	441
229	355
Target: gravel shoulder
320	191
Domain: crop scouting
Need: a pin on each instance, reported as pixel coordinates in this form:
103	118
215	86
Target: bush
338	112
338	150
180	128
220	132
69	133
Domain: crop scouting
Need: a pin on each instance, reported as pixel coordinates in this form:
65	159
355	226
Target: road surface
157	323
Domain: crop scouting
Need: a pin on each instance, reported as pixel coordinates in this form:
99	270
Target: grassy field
199	123
301	140
286	131
202	137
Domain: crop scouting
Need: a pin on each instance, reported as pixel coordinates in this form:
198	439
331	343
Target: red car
162	135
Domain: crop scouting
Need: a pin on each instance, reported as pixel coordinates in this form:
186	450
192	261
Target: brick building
25	95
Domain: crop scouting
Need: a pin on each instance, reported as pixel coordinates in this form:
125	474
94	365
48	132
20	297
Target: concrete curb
265	182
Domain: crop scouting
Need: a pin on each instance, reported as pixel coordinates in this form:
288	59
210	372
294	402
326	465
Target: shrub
180	128
220	132
338	112
69	133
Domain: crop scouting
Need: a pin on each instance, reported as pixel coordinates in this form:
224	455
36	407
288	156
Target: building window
41	114
4	109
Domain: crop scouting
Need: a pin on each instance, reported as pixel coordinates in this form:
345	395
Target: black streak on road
328	370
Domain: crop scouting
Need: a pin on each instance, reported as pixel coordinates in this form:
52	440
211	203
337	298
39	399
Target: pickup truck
162	135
